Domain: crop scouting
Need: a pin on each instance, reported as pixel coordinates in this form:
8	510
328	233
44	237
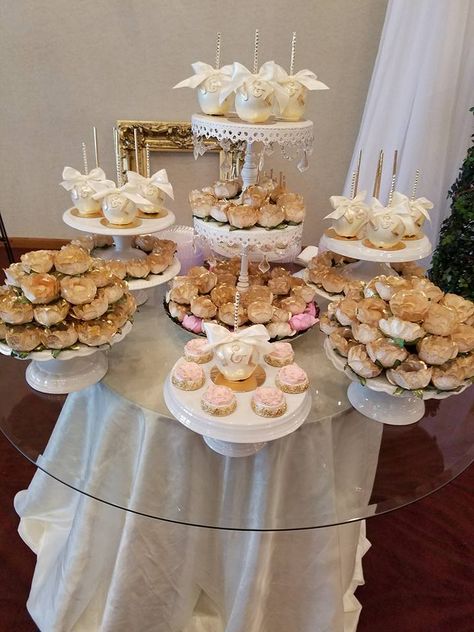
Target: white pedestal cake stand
243	432
374	261
377	398
295	139
123	250
71	370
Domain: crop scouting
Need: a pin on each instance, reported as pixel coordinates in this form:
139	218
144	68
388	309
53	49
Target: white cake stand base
367	270
383	407
227	448
66	376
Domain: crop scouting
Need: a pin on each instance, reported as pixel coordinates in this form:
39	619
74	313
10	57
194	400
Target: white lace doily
295	139
276	245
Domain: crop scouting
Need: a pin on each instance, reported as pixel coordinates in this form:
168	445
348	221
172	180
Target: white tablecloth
103	569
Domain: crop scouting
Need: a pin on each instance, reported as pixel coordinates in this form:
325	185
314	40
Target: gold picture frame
157	136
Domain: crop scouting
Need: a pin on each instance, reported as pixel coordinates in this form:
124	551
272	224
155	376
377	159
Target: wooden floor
419	572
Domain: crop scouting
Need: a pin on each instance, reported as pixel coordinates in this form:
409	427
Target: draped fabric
418	101
103	569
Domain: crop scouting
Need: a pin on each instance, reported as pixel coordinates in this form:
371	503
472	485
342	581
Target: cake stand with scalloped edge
378	399
243	432
123	249
277	244
295	139
374	261
62	372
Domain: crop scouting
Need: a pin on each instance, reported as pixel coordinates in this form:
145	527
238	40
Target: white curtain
419	98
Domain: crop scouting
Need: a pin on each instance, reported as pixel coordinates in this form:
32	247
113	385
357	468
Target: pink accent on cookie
192	323
268	396
281	350
188	371
197	345
301	322
292	374
217	395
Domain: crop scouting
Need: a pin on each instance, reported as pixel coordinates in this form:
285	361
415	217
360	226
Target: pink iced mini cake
197	350
292	379
281	354
218	400
268	401
188	376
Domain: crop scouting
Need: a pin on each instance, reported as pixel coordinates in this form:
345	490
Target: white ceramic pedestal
243	432
374	261
395	411
380	400
226	448
67	376
71	370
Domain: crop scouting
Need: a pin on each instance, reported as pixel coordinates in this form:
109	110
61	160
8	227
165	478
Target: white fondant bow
266	80
158	179
203	71
377	208
348	207
256	336
306	77
95	179
127	190
417	207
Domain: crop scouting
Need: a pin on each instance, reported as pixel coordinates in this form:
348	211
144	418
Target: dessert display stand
295	140
62	372
123	249
374	261
243	432
378	399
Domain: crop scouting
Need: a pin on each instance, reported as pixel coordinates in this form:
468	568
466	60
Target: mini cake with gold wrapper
268	401
218	400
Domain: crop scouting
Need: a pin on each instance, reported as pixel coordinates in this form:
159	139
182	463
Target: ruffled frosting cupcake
188	376
197	350
292	379
268	401
218	400
281	354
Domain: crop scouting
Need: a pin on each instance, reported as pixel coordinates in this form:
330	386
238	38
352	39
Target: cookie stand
295	140
378	399
243	432
123	249
69	370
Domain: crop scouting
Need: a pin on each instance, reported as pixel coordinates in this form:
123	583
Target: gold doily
105	222
243	386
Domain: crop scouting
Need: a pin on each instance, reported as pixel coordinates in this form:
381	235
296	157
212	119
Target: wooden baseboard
37	243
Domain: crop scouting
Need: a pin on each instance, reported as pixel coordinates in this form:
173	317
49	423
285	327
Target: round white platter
379	400
276	245
243	432
413	250
71	370
94	224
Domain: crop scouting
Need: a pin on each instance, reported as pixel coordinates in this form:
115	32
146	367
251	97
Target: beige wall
67	65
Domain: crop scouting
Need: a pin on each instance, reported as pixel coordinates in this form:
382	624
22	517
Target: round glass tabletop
117	442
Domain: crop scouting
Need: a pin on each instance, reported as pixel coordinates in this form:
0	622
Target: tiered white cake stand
380	400
123	249
243	432
295	140
69	370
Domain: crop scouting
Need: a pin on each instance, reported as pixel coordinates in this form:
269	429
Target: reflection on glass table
116	442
